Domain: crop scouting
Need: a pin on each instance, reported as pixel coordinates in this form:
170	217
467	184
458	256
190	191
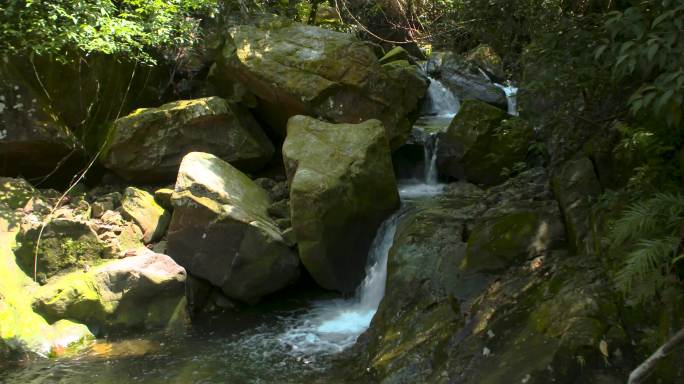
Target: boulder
466	79
141	207
342	187
513	321
150	143
163	197
486	58
481	143
21	330
575	184
65	243
139	292
297	69
118	236
508	235
221	232
29	129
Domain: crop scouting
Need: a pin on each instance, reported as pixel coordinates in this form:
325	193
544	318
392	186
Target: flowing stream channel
291	338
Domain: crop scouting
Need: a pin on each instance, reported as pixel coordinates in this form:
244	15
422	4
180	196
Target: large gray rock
465	78
150	143
297	69
342	187
221	232
139	292
481	143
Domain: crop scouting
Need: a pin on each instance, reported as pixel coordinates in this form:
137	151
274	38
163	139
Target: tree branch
641	373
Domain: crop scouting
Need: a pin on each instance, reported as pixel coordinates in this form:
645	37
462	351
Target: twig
641	373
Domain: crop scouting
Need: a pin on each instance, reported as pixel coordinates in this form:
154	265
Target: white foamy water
512	97
440	101
331	326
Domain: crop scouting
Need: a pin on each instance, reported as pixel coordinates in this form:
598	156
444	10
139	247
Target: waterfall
440	101
331	326
511	96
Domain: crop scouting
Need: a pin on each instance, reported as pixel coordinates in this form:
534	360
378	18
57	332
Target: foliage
653	229
129	27
646	45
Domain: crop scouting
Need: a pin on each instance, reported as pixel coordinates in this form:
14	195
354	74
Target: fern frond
660	215
644	265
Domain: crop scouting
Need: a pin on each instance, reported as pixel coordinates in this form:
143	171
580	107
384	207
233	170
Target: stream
292	337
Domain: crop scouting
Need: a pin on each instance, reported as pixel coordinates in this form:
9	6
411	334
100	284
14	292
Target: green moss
64	244
496	243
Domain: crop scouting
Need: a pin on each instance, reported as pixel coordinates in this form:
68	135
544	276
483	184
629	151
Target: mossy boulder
534	321
221	231
342	187
511	235
21	330
149	144
575	184
486	58
141	207
64	244
139	292
297	69
481	142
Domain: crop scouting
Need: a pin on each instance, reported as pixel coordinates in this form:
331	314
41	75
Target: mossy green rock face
481	142
513	234
297	69
65	243
575	184
141	207
21	330
139	292
150	143
537	321
342	187
221	232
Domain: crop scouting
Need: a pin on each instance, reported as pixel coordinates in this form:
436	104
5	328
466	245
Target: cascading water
439	108
440	101
512	97
334	325
292	343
